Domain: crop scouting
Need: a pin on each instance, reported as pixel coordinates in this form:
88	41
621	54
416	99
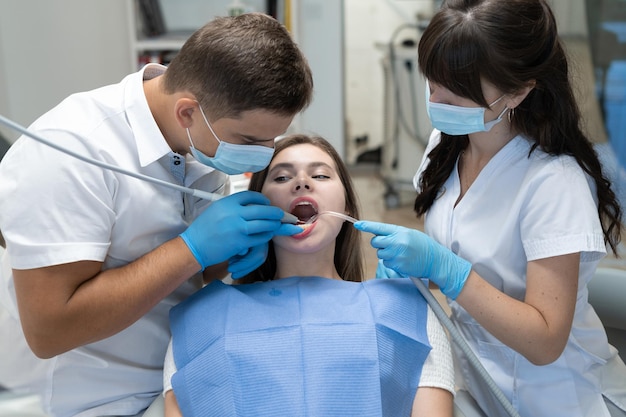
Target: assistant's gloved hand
412	253
382	272
232	225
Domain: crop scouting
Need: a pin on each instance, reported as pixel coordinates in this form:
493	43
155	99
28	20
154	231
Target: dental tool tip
289	218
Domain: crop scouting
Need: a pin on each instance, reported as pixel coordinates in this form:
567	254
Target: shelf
166	42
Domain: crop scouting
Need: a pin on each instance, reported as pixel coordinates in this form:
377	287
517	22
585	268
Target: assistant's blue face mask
457	120
233	158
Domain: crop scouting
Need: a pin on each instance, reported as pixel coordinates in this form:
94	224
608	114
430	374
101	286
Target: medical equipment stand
406	123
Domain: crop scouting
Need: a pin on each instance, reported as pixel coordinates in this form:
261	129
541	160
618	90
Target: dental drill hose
196	193
205	195
462	344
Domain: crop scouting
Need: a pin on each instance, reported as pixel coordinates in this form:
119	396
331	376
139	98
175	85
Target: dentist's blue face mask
233	158
457	120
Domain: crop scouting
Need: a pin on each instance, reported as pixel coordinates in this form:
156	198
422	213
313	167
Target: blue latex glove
241	265
412	253
244	263
382	272
232	225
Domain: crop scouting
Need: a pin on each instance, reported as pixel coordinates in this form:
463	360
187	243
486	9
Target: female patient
304	334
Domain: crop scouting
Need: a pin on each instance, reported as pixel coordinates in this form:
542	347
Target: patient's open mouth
304	210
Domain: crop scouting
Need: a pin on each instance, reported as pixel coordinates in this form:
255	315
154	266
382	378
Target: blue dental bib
300	347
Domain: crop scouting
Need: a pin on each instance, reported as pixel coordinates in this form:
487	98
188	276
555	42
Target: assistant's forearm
517	324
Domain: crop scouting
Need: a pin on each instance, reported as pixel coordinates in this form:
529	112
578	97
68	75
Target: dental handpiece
289	218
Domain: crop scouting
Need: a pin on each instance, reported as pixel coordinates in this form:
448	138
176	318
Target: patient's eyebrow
289	165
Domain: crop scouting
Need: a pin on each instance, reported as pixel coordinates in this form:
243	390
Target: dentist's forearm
66	306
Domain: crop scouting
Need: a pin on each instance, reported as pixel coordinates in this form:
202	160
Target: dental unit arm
205	195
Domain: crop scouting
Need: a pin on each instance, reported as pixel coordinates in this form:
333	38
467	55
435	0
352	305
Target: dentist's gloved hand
412	253
232	225
241	265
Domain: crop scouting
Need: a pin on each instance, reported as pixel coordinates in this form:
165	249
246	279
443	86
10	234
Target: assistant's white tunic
56	209
522	208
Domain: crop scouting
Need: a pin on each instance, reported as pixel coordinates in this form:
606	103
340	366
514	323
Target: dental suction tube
192	191
458	338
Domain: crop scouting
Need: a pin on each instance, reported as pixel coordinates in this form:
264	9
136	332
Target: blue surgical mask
457	120
233	158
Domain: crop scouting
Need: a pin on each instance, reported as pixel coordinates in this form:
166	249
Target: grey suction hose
393	135
194	192
458	338
401	117
411	74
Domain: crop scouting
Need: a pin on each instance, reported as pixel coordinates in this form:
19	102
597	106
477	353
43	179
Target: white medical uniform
55	209
522	208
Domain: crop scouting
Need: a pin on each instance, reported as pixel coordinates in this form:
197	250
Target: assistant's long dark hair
511	44
348	256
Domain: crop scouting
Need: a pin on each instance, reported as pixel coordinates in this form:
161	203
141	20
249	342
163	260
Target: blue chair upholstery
466	406
156	409
607	295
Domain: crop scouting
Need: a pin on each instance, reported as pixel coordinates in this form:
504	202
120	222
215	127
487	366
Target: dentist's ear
183	110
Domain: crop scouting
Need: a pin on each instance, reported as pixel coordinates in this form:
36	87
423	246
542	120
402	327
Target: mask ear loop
503	111
207	123
189	136
497	120
502	114
497	100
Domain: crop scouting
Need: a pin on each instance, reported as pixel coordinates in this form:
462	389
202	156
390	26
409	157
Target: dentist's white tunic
520	209
55	209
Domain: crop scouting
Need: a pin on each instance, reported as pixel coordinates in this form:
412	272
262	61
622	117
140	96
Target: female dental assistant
517	211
